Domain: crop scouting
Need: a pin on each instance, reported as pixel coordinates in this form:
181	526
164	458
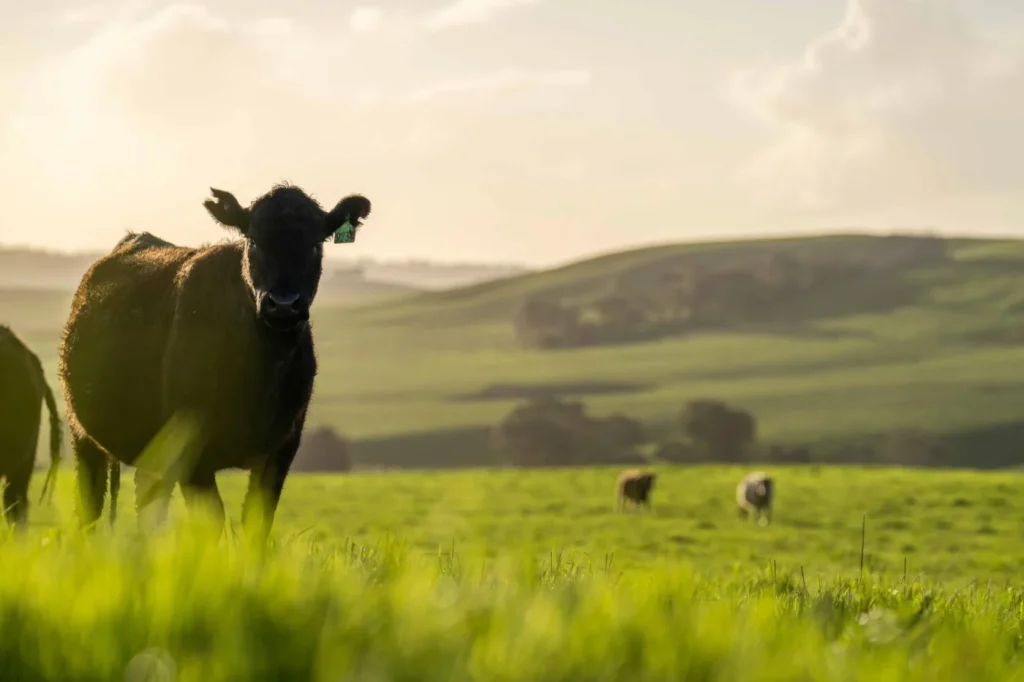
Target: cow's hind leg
16	497
200	492
91	463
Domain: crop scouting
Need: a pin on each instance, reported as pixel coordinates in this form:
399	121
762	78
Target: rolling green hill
935	346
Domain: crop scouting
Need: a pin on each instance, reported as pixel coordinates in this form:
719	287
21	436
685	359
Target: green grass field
946	527
937	348
512	575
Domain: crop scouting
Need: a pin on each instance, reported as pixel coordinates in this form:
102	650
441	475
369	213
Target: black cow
23	389
217	334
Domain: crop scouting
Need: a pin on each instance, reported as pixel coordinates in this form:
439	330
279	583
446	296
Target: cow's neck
277	351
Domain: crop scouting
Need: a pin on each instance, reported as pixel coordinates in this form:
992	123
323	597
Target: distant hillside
923	334
587	281
435	276
870	336
42	270
51	271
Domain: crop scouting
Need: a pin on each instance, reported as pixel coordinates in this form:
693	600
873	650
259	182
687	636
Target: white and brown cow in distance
755	495
635	485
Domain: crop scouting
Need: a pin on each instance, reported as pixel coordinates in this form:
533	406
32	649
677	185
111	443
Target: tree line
555	432
551	431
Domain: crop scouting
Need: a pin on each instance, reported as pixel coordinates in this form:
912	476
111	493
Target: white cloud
83	14
901	102
502	81
365	18
461	12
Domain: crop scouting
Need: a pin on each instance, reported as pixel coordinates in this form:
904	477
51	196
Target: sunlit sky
534	131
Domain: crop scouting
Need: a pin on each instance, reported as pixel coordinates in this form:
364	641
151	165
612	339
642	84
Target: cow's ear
353	209
226	210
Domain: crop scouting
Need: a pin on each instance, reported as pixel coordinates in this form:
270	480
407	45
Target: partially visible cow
635	485
754	495
23	390
218	335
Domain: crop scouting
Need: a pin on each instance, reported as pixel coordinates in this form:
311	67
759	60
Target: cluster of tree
552	432
711	431
323	449
691	294
714	432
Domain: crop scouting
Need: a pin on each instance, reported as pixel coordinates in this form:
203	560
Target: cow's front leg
266	481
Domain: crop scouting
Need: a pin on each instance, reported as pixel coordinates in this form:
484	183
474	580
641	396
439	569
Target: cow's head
284	233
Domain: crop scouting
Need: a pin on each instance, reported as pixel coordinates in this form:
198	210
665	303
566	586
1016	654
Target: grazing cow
218	335
23	389
635	486
754	495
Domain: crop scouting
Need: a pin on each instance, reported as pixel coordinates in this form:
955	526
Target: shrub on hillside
621	432
547	324
721	433
323	449
552	432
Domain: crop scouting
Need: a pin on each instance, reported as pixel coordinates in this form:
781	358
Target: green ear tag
346	234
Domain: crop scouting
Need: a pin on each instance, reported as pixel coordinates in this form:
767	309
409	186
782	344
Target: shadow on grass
991	447
442	449
543	390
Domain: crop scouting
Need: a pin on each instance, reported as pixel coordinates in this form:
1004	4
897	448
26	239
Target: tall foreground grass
183	605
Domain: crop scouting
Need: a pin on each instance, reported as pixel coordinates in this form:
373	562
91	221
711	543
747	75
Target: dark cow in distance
23	390
219	334
635	486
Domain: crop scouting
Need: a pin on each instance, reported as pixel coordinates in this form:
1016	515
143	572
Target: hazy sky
513	130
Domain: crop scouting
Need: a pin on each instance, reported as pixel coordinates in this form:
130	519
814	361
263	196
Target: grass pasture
949	527
691	594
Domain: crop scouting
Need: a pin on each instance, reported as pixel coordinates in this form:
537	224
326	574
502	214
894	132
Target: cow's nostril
283	304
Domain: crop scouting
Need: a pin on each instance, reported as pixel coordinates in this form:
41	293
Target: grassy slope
935	348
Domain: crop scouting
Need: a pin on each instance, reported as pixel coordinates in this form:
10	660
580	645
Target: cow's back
112	347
